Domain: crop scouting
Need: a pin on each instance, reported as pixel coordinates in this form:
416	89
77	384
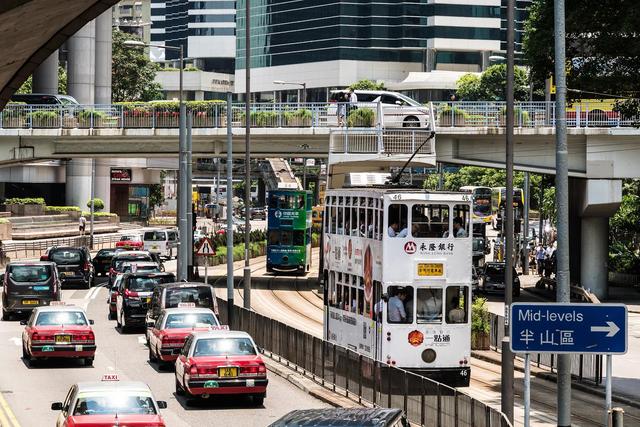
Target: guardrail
426	402
304	115
22	250
584	367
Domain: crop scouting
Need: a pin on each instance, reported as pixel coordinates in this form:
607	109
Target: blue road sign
568	328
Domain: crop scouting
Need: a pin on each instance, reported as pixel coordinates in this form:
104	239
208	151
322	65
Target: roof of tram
31	30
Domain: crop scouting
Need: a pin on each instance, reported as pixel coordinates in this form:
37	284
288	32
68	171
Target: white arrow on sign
611	329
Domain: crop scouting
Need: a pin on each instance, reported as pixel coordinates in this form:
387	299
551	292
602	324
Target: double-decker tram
289	230
481	199
397	274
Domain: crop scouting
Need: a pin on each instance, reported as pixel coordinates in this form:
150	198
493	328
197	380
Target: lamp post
302	84
184	192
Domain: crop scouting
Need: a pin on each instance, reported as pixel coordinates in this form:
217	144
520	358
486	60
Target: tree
98	204
156	195
491	85
367	85
624	231
27	86
133	73
602	48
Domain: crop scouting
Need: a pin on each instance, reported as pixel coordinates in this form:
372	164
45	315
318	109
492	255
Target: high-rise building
133	17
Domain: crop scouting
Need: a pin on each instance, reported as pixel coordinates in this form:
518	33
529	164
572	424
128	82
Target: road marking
95	294
9	413
17	341
110	368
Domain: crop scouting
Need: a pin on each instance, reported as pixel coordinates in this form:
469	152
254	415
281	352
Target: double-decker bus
289	230
397	274
481	199
498	198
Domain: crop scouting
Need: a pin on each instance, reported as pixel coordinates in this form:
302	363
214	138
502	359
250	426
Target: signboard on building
120	175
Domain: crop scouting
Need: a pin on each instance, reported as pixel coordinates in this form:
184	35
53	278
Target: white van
163	242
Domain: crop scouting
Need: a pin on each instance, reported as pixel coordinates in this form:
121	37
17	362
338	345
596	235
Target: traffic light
194	217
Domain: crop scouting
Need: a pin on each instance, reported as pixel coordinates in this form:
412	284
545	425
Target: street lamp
184	191
304	87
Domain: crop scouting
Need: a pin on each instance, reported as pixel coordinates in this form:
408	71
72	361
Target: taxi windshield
146	284
53	318
201	296
224	347
121	260
118	402
189	320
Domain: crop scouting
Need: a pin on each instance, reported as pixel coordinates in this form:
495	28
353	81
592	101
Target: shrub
44	115
448	110
25	201
480	318
99	214
520	116
61	209
360	117
89	114
4	221
98	204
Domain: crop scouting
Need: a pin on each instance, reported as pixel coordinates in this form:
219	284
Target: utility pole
507	356
247	158
562	205
525	232
188	238
229	211
93	195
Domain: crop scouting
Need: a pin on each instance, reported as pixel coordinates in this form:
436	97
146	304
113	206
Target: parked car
493	279
74	265
27	285
398	110
44	99
102	261
258	212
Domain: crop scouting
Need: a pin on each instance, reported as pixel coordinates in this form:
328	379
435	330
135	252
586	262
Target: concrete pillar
103	182
594	253
81	65
78	183
45	77
103	58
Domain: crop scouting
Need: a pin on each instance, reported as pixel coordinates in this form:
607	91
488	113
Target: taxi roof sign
219	328
54	303
206	248
110	377
186	305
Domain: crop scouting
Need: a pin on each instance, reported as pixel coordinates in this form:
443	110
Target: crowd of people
544	259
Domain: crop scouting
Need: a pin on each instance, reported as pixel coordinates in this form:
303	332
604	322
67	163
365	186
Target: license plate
47	348
30	302
227	372
63	339
211	384
148	300
67	273
154	247
430	269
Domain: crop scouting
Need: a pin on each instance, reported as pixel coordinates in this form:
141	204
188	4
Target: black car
492	279
28	285
134	295
74	265
258	213
102	261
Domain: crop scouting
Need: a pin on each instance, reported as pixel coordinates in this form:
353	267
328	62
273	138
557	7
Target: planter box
6	231
479	341
446	120
69	122
13	122
26	210
299	122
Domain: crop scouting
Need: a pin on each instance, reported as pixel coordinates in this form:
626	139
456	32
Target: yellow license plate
227	372
430	269
30	302
148	300
63	339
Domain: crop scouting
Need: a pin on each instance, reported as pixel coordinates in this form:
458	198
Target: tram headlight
429	355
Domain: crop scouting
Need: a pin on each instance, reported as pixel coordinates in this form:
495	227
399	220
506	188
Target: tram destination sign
568	328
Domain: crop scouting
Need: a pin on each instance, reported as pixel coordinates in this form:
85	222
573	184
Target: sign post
564	328
206	250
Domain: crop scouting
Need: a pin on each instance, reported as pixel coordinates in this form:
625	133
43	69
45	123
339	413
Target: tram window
377	297
429	305
340	223
298	238
273	202
353	225
461	220
397	220
429	220
457	304
400	297
345	298
326	219
301	200
361	305
334	220
274	237
333	297
379	225
286	238
339	295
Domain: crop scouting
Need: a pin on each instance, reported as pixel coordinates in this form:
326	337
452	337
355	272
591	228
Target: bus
289	230
498	197
481	198
397	274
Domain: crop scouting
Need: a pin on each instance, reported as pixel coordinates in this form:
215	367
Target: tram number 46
464	373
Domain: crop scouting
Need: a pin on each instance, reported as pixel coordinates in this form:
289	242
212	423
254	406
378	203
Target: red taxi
169	331
130	242
109	403
221	362
58	331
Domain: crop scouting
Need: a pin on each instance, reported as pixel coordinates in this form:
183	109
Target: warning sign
206	248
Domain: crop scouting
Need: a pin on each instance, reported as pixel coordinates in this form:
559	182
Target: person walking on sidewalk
540	255
82	222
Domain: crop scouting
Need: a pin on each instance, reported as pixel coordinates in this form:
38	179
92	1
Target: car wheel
6	315
88	361
258	400
123	323
411	122
179	390
118	324
111	316
25	354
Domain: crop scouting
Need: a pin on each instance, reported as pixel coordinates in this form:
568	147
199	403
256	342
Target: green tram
289	231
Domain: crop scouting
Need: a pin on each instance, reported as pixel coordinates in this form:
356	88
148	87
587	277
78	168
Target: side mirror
151	324
23	322
161	404
56	406
385	297
91	322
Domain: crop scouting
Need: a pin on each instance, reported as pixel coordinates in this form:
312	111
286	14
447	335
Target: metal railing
33	249
426	402
584	367
308	115
383	141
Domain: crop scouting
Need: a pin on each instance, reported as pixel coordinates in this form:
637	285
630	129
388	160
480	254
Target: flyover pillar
103	182
103	57
45	77
81	65
78	183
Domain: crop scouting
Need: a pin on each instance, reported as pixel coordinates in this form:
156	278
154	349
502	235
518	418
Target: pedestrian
353	101
342	109
82	222
456	314
540	259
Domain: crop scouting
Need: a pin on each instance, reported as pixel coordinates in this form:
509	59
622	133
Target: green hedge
99	214
98	204
25	201
4	221
61	209
361	117
44	115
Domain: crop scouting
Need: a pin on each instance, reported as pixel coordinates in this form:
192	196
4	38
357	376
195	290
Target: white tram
397	274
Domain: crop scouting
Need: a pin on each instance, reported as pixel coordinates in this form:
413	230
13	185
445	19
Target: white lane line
95	294
17	341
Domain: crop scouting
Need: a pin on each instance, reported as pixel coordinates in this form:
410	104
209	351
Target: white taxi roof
120	386
187	310
221	333
53	308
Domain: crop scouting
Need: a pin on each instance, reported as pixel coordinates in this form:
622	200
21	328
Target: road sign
206	248
568	328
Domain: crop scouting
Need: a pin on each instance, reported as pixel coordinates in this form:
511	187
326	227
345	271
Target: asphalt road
29	392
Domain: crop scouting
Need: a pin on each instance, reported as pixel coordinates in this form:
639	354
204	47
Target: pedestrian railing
584	367
210	114
33	249
426	402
